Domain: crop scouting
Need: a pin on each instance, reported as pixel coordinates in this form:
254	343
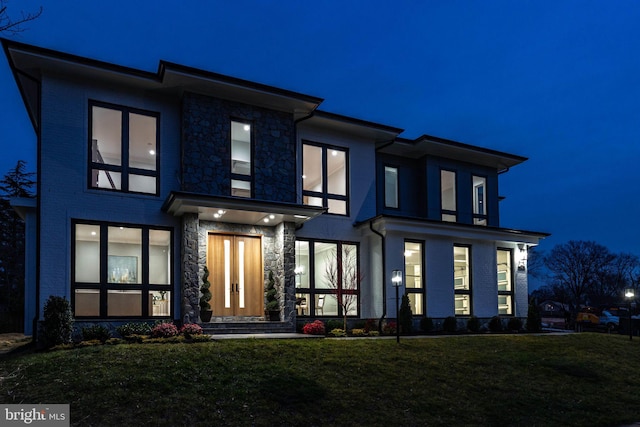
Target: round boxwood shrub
426	324
495	324
96	332
473	324
450	324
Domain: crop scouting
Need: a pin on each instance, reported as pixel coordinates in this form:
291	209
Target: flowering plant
315	328
390	327
164	330
189	329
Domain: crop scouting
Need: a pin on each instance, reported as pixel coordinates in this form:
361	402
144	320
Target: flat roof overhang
238	210
440	147
416	226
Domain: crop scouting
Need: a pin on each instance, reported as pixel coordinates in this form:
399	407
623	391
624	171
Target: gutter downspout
384	274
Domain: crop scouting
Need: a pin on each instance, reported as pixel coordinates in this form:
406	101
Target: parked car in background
591	316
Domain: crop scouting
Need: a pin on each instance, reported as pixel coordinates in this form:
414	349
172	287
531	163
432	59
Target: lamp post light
396	280
629	294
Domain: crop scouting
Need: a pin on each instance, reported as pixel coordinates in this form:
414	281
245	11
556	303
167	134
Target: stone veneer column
288	269
189	264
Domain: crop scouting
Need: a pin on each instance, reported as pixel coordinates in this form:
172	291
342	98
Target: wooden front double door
236	275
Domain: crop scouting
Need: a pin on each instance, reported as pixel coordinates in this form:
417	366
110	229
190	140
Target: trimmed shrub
337	332
405	316
389	328
359	332
271	293
334	324
206	293
190	329
134	328
450	325
57	325
495	324
164	330
534	318
473	324
426	324
315	328
96	332
514	324
371	325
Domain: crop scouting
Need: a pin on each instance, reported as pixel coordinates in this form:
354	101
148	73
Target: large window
327	278
414	275
121	271
448	203
479	200
241	164
123	149
325	177
505	282
390	187
462	280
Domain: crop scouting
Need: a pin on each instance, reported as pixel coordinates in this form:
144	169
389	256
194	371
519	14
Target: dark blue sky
556	81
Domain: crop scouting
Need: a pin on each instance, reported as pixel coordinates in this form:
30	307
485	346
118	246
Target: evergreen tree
16	183
405	316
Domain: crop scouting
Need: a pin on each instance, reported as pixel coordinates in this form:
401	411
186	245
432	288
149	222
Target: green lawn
500	380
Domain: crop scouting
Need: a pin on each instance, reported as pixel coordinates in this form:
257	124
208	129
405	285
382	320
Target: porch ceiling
238	210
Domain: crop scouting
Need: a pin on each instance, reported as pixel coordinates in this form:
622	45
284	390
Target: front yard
501	380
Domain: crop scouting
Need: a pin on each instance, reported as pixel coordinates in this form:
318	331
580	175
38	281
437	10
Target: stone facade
206	148
278	246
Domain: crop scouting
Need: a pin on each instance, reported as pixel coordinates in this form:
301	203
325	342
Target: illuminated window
327	278
325	177
448	203
414	275
123	149
479	200
462	280
505	282
241	164
121	271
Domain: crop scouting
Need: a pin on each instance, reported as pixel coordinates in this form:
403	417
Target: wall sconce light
522	263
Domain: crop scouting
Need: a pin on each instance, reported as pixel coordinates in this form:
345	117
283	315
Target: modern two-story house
146	178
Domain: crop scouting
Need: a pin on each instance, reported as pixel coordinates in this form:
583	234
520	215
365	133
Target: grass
501	380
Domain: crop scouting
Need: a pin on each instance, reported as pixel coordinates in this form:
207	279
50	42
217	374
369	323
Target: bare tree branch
11	25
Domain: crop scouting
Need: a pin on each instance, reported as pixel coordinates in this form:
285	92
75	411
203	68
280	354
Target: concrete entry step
246	327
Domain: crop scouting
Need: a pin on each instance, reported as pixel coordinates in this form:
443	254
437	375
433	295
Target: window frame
454	212
422	290
468	292
509	294
312	292
324	195
479	218
104	286
239	177
397	186
124	169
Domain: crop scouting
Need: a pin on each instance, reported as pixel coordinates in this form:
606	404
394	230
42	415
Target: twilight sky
557	81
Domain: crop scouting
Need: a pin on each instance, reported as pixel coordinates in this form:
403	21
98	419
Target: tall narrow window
390	187
241	165
121	272
414	275
123	149
448	195
505	282
479	200
325	177
462	280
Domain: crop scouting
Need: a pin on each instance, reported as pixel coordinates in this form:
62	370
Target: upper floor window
462	280
479	200
390	187
324	177
505	282
448	196
123	149
241	156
